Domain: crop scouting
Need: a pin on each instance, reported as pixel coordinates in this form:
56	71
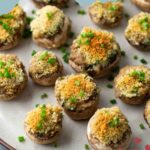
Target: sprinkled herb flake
77	83
33	53
114	122
52	61
142	126
6	27
143	61
49	15
27	33
123	53
135	57
55	145
7	16
37	105
86	146
127	16
144	23
21	139
110	86
81	93
81	12
28	20
33	11
71	34
65	54
43	55
73	99
113	8
113	101
43	116
139	74
44	95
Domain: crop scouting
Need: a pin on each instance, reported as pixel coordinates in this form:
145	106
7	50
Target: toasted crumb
44	119
109	125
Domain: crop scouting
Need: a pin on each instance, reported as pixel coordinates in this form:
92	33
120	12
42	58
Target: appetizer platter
75	77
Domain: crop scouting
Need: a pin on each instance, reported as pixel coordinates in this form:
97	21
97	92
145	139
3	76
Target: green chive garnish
21	139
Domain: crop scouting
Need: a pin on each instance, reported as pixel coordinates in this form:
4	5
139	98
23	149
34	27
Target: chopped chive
44	95
2	64
39	125
81	93
52	61
6	27
110	86
81	12
135	57
33	52
123	53
77	82
33	11
71	34
43	55
127	16
114	122
113	101
55	145
142	126
7	16
139	74
36	105
102	45
29	19
66	57
49	15
143	61
26	33
63	49
86	146
113	8
73	99
21	139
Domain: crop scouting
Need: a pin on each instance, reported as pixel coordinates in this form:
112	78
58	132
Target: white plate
73	135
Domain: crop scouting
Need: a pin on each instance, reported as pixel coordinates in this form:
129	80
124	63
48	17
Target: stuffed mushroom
50	28
13	77
108	129
58	3
132	84
11	28
45	68
43	124
108	14
78	95
142	4
94	52
147	112
138	31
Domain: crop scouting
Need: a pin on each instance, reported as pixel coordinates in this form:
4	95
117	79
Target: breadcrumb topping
138	29
51	123
109	125
108	11
44	63
11	73
48	21
74	88
135	81
97	46
10	24
147	112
